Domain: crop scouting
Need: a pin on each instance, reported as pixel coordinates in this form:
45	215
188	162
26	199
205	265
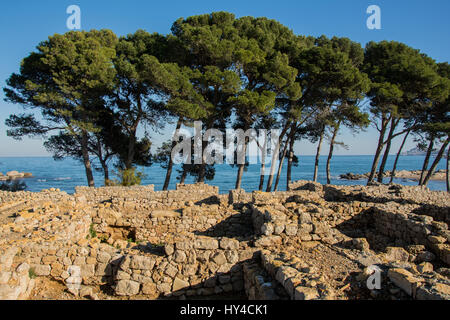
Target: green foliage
404	80
92	232
31	273
96	92
129	177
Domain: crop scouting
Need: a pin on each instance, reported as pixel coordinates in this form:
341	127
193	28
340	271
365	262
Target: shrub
129	177
13	186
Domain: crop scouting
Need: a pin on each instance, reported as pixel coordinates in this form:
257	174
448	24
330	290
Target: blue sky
23	24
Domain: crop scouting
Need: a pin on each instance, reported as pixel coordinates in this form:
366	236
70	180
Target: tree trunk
241	167
436	162
131	146
280	166
170	165
380	146
103	162
261	177
319	147
86	160
202	171
447	173
289	168
394	123
263	165
330	154
105	172
275	156
283	156
394	168
183	176
427	160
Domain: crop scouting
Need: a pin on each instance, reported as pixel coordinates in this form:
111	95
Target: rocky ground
315	242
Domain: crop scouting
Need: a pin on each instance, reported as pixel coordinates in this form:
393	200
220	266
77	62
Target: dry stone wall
195	242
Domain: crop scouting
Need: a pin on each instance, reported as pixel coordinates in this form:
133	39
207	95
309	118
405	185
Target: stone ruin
314	242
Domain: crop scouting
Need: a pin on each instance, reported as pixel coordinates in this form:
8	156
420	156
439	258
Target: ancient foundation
314	242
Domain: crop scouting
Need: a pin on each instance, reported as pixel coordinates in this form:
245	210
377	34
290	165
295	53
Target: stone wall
144	198
15	281
14	198
198	267
392	221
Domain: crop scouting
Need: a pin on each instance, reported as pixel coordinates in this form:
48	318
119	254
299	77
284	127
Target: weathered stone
163	287
179	284
229	244
206	244
291	230
404	279
304	217
141	262
149	289
219	258
267	229
165	214
285	273
171	271
232	256
179	256
103	257
169	249
41	270
268	241
396	254
127	288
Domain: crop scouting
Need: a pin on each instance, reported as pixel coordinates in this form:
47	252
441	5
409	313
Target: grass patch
31	273
92	232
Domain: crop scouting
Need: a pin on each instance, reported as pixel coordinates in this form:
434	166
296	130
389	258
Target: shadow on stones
334	194
363	226
220	286
209	201
110	276
238	226
150	248
438	213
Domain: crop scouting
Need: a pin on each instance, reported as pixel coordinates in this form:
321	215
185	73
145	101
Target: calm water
69	173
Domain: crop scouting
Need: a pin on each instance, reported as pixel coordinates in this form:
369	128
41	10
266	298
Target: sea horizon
69	173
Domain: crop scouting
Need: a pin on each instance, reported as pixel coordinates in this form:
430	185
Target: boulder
14	174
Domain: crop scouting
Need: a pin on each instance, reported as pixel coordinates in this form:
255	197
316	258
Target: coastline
440	175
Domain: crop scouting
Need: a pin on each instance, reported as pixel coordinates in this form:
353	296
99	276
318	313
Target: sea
68	173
